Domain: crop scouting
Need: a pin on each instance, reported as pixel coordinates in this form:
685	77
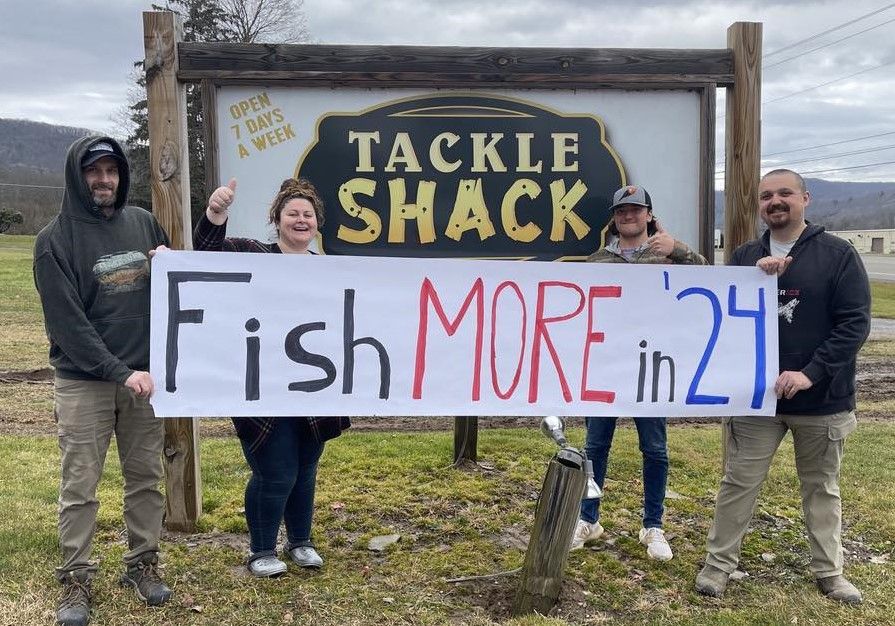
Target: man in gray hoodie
91	269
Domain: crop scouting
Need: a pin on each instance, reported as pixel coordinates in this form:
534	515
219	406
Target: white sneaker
585	533
306	556
657	547
266	567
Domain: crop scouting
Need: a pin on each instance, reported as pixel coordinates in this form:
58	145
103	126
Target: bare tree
265	21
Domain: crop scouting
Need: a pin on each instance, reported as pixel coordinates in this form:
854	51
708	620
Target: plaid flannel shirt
256	430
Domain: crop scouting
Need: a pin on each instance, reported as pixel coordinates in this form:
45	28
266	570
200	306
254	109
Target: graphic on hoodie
786	311
122	272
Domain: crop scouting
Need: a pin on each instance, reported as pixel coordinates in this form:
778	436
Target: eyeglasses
628	209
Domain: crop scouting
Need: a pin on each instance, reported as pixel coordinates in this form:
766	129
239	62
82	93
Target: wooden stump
551	536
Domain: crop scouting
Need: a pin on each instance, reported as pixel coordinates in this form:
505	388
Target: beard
777	216
104	200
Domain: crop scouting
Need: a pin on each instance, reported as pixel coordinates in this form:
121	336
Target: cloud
56	57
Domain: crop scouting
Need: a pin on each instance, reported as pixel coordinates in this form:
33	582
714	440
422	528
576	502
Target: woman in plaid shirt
281	451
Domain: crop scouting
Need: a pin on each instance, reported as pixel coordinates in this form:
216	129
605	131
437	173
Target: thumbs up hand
220	201
661	243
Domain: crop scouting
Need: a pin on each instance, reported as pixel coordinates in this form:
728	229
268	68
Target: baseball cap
97	151
631	194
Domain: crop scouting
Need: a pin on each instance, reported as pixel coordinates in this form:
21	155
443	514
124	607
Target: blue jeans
284	478
653	446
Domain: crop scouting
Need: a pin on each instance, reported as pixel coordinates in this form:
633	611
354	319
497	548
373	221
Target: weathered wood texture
455	66
707	173
169	180
466	439
209	126
742	137
548	549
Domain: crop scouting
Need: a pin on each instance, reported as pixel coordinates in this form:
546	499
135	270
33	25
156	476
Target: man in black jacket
92	272
824	318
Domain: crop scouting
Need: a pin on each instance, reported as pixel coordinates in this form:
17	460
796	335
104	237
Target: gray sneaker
266	567
144	578
306	556
74	605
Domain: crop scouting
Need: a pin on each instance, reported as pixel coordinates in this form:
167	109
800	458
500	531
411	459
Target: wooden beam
210	122
169	180
466	439
707	172
742	137
447	66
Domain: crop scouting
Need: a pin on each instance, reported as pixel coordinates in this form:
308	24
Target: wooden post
466	439
551	535
169	179
742	137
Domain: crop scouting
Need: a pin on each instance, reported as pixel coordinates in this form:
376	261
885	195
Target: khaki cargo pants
818	441
87	413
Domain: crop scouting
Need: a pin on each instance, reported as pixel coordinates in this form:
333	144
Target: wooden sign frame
171	63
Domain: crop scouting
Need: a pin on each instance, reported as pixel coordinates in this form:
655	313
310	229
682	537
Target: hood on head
76	197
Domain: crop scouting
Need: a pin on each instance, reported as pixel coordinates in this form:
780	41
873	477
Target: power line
822	145
829	82
835	169
853	167
828	31
34	186
837	155
834	143
826	45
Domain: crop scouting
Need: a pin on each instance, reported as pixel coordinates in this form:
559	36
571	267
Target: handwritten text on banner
271	334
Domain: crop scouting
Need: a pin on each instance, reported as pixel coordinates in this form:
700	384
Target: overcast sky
71	62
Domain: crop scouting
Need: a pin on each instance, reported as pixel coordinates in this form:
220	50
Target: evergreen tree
244	21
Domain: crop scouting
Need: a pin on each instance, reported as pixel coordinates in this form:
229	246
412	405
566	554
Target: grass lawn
883	295
456	523
23	342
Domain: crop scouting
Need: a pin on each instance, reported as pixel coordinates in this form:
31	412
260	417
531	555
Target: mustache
778	208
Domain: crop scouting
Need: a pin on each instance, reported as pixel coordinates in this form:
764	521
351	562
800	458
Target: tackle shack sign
462	175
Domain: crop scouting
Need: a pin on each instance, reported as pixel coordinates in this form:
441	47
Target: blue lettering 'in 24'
692	396
760	358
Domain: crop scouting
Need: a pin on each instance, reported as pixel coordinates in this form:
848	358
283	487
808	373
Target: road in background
879	266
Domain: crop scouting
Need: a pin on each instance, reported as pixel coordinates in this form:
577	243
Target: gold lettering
364	150
470	212
563	210
402	152
373	227
523	141
263	99
243	153
482	152
400	212
436	156
561	148
529	232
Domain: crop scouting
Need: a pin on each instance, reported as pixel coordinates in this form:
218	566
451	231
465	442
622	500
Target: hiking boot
306	556
144	578
74	605
266	567
838	588
711	581
657	547
585	533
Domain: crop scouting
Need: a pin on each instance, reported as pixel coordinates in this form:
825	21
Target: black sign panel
463	175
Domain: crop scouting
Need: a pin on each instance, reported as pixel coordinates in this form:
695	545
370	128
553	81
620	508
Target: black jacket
92	273
824	311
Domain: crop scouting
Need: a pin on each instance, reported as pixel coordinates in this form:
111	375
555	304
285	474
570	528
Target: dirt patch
26	406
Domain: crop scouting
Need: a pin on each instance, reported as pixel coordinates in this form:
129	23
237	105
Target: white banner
283	334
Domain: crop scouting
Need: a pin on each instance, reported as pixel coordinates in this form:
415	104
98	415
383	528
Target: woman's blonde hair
291	189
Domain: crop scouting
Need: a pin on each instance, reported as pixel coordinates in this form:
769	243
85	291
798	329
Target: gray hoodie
92	274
